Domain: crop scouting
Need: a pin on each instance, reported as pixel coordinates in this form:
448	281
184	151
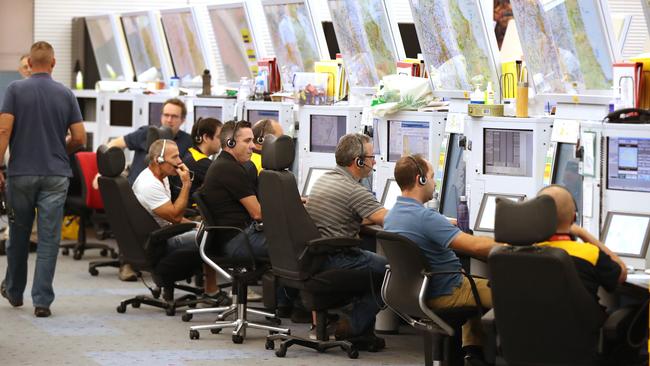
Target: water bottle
206	80
463	215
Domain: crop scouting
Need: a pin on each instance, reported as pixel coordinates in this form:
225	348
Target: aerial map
137	29
182	38
105	48
235	42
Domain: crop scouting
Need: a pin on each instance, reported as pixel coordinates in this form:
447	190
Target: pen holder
521	110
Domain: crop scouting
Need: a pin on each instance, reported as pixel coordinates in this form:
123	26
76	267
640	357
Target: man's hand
95	182
2	180
184	174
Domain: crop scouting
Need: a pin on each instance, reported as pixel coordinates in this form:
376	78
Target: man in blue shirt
34	120
438	239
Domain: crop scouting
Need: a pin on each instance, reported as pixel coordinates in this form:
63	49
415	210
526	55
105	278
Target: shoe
300	315
3	292
127	273
42	312
220	298
330	329
474	356
32	247
252	296
283	311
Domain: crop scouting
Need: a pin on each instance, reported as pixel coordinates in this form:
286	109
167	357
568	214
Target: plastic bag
70	228
401	92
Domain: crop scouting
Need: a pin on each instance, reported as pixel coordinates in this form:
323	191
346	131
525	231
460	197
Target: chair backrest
130	222
156	133
287	224
524	223
87	164
544	314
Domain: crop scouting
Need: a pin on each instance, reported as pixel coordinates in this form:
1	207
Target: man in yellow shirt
260	129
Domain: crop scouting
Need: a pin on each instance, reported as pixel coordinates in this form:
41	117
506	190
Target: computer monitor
409	39
453	181
375	136
485	218
407	138
508	152
208	112
566	173
325	132
184	43
121	113
313	175
627	234
139	33
330	39
628	164
391	192
255	115
155	111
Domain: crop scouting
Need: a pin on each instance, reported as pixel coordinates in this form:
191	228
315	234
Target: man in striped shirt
338	204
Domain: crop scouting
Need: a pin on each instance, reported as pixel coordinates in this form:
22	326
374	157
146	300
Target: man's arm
173	211
586	236
6	126
376	217
475	246
77	137
117	142
253	207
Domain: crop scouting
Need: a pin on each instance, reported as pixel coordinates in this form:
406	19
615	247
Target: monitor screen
375	136
155	111
409	39
330	38
121	113
139	34
508	152
313	176
325	132
485	218
89	141
453	182
566	172
184	43
256	115
406	138
208	112
105	47
391	192
627	234
628	164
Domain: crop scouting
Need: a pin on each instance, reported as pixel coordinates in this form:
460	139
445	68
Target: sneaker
126	273
3	292
300	315
253	296
330	330
42	312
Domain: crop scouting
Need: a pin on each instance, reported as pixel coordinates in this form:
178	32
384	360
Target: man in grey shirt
34	120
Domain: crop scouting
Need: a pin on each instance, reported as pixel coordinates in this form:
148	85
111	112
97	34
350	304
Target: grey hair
156	148
350	147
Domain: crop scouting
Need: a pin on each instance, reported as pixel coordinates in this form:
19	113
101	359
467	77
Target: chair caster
237	339
93	271
186	317
353	353
103	252
273	320
191	306
215	331
65	251
156	293
121	308
170	311
135	304
77	254
114	254
282	351
269	344
194	334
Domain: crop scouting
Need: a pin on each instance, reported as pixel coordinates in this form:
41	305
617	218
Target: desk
638	279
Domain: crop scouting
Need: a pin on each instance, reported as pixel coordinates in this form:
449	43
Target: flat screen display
627	234
375	136
256	115
121	113
485	218
453	182
184	44
313	176
566	172
508	152
155	111
325	132
208	112
105	47
391	192
628	164
409	39
139	34
407	138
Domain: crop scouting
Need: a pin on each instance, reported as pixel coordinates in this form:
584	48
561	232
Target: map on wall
292	34
565	45
234	41
457	48
363	34
184	45
139	36
105	48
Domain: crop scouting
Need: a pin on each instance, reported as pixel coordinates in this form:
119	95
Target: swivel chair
142	242
296	250
404	290
543	314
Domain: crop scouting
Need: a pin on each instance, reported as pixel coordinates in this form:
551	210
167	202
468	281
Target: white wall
16	31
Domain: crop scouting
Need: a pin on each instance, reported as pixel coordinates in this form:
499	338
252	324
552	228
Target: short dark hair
263	127
179	103
406	171
205	126
350	147
228	130
41	53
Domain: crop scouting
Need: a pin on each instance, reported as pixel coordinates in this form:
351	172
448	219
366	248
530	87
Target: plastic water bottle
206	81
463	214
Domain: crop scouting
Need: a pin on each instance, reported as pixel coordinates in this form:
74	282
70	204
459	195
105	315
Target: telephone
629	115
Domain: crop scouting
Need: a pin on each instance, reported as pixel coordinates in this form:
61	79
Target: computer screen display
256	115
628	164
184	43
566	172
155	111
325	132
121	113
375	136
627	234
407	138
105	47
139	34
453	182
508	152
313	176
208	112
391	192
330	38
409	39
485	218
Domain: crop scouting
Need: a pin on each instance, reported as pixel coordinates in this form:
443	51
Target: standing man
23	68
37	112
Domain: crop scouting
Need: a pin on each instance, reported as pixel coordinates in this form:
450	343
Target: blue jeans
180	241
236	247
366	307
26	197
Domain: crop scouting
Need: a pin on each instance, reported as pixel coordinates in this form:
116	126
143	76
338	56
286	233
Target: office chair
142	242
86	203
404	291
543	314
241	271
296	250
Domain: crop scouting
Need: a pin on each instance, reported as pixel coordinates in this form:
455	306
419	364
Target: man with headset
260	129
439	240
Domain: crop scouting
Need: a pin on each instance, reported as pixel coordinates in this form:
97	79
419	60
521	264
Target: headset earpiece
231	142
161	159
422	179
360	161
260	140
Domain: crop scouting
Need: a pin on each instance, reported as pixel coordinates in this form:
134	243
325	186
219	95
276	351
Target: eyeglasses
171	116
368	157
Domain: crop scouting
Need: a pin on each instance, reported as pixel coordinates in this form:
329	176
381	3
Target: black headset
198	138
422	180
260	138
361	159
231	142
161	159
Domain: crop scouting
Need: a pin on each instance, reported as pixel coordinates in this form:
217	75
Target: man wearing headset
438	238
260	129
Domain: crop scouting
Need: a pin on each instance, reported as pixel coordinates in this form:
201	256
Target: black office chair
543	314
404	292
142	242
296	249
242	271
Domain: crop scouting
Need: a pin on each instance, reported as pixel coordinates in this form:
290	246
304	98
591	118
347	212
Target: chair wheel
93	271
135	304
269	344
353	353
114	254
65	251
274	320
77	254
103	252
215	331
194	334
191	306
170	311
282	351
121	308
156	293
186	317
237	339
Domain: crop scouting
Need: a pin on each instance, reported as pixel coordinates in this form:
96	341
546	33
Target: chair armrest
170	231
472	284
490	330
249	249
332	245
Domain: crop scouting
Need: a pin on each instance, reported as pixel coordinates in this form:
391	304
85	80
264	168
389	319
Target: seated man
151	188
596	264
438	239
338	204
260	129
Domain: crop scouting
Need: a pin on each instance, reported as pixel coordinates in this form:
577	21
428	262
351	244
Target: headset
161	159
198	139
422	180
231	142
260	139
361	158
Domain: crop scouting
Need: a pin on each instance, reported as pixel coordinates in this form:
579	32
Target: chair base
320	346
92	266
167	302
80	248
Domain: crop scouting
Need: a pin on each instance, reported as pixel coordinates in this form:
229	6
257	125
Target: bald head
566	208
41	56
